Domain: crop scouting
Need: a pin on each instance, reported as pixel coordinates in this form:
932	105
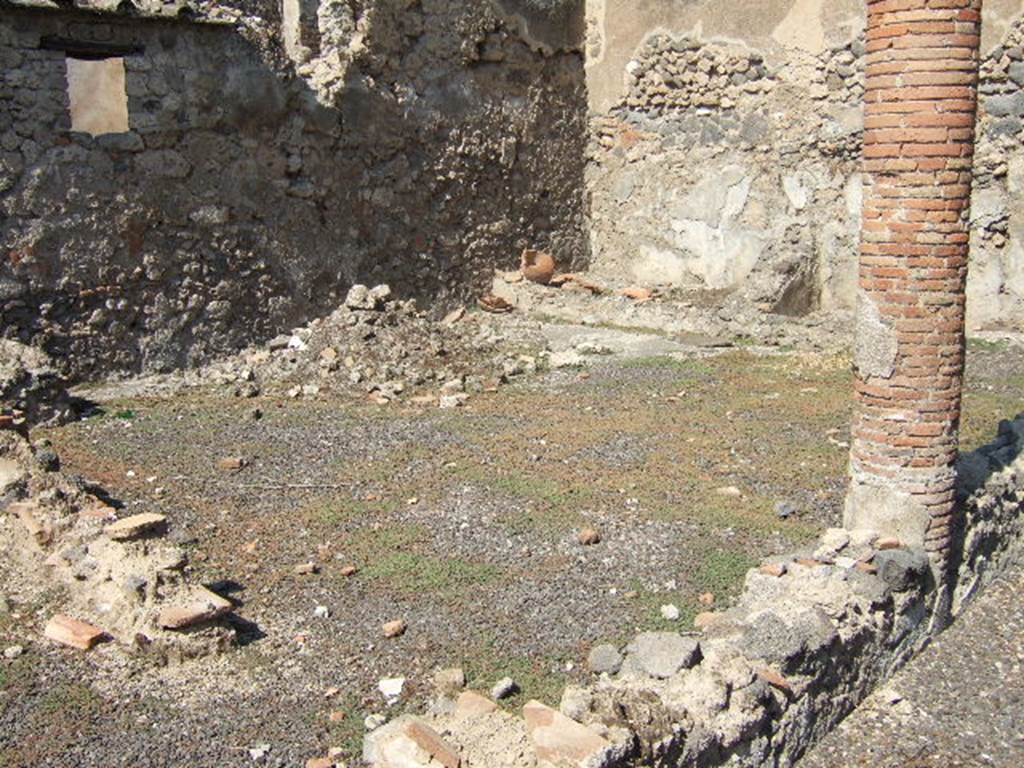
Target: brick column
920	103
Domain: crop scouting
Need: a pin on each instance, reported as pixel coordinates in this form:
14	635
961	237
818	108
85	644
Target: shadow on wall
991	519
239	204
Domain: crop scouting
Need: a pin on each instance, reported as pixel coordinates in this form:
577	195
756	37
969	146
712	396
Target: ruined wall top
202	11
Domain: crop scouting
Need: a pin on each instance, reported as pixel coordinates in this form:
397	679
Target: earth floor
463	523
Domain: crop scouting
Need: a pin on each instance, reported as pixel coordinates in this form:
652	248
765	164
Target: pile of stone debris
125	578
385	349
31	390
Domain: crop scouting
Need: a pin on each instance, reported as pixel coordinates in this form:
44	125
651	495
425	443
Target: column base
873	504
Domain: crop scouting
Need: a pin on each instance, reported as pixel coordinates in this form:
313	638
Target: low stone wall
758	684
991	494
811	635
251	190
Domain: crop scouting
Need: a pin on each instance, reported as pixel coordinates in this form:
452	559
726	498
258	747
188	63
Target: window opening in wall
96	94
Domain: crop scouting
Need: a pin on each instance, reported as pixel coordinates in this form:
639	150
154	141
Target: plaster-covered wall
725	150
255	184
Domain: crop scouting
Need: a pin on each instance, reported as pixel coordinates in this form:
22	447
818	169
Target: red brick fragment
72	632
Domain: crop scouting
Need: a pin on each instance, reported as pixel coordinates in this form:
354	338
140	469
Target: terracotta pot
537	266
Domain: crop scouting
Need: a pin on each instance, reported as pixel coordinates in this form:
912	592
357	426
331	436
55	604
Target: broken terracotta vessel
494	304
537	266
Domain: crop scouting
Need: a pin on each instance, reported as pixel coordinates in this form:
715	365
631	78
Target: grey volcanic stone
1002	106
902	569
604	659
1017	72
662	654
788	637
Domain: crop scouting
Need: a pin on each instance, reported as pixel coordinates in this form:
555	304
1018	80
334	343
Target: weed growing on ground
347	734
693	368
644	612
411	573
372	542
557	503
74	699
722	572
542	678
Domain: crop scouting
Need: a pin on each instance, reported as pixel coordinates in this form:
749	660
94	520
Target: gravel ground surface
957	705
461	522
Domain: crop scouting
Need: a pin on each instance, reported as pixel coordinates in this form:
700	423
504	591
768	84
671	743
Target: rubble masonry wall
725	151
423	144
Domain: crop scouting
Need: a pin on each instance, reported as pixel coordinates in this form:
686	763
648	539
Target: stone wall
725	150
412	147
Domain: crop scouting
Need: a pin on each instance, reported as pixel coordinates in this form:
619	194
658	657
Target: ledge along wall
407	144
725	145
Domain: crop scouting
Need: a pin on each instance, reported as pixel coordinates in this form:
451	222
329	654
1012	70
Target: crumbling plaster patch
884	507
998	18
803	27
876	345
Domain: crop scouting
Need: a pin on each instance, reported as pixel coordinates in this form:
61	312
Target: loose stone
504	688
589	536
604	659
13	652
449	682
72	632
198	606
135	526
662	654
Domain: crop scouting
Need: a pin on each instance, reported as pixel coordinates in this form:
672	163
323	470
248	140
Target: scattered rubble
136	526
197	606
123	573
494	304
378	347
32	392
670	612
450	682
391	688
588	536
504	688
13	652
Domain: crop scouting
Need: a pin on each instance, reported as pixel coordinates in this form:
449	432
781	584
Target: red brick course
920	103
